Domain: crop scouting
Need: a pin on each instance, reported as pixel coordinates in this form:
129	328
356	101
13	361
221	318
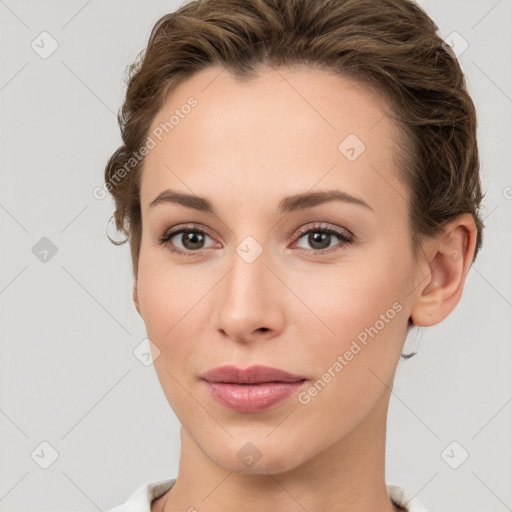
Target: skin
245	147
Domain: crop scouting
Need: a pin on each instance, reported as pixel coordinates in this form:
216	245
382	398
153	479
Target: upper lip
251	375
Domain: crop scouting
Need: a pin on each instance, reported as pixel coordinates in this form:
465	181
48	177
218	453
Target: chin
256	455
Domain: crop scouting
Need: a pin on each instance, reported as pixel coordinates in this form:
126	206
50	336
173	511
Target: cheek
167	294
357	313
356	363
339	302
173	316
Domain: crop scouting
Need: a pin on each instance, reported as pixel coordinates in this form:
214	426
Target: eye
192	238
320	237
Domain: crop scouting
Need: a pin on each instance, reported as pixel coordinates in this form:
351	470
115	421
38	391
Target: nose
250	300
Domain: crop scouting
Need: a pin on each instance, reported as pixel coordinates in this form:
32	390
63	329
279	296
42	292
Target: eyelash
345	238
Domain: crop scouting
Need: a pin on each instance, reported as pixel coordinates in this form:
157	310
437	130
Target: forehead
297	128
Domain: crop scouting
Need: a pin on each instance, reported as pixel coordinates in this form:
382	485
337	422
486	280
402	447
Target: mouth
252	390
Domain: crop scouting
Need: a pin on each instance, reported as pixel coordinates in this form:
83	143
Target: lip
253	375
252	397
252	389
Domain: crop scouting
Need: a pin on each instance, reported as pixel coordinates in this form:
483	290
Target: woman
299	185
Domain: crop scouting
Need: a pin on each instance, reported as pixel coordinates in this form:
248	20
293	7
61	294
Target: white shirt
140	500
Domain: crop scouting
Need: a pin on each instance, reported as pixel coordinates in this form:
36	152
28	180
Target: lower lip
252	397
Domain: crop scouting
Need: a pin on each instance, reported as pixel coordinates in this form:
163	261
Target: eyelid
344	232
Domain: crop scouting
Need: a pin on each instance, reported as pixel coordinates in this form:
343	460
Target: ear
443	272
136	298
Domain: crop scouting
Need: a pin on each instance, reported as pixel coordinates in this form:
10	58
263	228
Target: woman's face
259	280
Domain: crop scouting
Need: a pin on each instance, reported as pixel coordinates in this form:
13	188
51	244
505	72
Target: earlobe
449	258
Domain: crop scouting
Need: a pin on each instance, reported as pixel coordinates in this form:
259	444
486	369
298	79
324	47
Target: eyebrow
287	205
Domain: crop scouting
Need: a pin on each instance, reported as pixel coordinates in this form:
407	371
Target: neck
346	476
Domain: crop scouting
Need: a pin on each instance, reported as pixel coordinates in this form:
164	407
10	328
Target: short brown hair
390	46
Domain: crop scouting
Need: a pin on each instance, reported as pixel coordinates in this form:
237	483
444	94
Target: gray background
69	328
